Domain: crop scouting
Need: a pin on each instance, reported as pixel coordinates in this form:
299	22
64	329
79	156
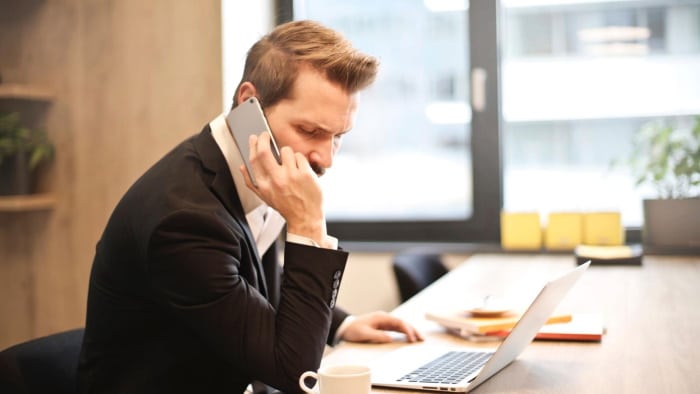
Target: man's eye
308	131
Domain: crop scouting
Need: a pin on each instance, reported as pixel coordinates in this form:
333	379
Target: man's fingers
252	147
378	336
264	152
287	155
395	324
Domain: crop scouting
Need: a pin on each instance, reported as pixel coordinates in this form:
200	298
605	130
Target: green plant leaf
15	137
666	156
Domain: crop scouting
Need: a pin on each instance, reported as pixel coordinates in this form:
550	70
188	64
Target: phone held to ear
246	119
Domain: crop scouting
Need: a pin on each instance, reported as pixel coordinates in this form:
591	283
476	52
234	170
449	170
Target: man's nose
323	153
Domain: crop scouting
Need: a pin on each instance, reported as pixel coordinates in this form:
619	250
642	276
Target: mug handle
302	381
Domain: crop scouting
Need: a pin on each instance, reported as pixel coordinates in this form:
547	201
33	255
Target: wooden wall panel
131	78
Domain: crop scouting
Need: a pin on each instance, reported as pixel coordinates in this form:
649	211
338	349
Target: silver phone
246	119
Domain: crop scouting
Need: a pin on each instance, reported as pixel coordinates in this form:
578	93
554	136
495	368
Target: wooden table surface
651	313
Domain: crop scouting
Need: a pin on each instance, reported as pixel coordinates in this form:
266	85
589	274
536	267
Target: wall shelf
30	202
24	92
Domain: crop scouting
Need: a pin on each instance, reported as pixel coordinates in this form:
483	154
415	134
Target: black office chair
414	271
43	365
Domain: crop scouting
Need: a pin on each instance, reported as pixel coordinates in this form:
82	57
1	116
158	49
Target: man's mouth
318	169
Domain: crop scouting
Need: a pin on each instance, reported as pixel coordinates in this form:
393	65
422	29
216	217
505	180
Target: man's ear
246	91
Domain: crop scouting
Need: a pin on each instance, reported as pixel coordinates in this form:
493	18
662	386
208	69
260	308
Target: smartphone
246	119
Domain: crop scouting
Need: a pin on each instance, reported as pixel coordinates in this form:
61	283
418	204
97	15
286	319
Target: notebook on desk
463	369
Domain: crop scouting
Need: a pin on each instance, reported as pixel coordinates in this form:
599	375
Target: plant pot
672	225
15	176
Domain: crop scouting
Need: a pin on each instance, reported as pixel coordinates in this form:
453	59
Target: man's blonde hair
273	62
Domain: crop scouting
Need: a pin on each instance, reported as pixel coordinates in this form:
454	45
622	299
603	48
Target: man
186	293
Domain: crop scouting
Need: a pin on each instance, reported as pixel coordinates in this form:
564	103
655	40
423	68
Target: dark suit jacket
180	301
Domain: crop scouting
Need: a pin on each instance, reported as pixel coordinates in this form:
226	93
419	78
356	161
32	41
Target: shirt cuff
330	242
342	327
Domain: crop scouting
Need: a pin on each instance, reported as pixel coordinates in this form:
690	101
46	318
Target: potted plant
666	156
22	150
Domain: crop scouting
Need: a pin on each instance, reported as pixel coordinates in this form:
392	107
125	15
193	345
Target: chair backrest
43	365
415	271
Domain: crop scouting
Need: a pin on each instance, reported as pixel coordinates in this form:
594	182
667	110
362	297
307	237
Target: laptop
461	369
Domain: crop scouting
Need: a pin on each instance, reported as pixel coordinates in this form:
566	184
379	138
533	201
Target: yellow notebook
582	327
521	231
467	323
603	229
563	231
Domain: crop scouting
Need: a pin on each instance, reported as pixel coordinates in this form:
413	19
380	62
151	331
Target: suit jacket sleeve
201	269
273	276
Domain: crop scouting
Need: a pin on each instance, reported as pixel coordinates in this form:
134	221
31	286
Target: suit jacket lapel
222	185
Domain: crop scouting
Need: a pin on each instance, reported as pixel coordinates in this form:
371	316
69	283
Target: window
407	158
406	171
578	81
565	86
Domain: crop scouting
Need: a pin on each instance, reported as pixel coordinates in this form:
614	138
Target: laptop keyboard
451	367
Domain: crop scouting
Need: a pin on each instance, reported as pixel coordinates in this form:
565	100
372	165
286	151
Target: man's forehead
318	102
326	124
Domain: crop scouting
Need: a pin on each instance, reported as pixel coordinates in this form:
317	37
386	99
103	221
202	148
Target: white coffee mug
338	379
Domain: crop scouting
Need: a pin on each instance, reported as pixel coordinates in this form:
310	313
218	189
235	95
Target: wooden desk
652	316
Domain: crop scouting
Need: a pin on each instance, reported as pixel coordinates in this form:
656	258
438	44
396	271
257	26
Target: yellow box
521	231
603	229
564	230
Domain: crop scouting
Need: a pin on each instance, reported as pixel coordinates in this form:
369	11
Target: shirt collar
224	139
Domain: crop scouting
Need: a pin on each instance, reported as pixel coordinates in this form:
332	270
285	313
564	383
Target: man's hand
373	327
291	188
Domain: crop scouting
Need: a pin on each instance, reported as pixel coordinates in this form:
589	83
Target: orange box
564	230
521	231
603	229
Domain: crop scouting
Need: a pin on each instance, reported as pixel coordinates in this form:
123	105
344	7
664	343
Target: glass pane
408	157
579	79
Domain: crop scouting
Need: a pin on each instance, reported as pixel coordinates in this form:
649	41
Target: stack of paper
578	327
